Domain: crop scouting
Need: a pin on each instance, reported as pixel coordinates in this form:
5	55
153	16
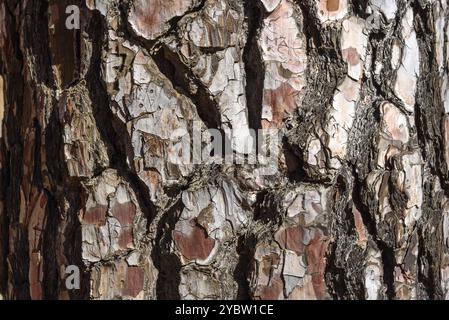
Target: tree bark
93	160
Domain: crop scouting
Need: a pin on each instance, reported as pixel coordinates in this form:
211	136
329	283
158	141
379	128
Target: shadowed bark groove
254	67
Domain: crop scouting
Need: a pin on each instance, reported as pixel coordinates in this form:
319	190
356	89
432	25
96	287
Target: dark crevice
387	252
359	7
20	265
168	264
430	243
183	80
426	262
48	242
266	209
245	250
295	164
389	263
254	65
341	274
376	40
36	37
335	275
50	282
73	244
311	26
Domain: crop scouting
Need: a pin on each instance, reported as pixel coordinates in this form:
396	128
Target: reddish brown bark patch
148	17
35	274
282	101
95	215
316	263
125	240
124	213
446	139
134	281
351	56
155	145
151	17
273	291
195	245
291	239
268	262
359	226
332	5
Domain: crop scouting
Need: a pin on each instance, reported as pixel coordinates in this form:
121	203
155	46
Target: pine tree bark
357	206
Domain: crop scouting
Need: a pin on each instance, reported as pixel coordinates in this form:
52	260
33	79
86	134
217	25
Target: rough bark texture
357	206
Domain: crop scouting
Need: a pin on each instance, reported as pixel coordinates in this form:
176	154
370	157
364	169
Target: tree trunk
108	130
